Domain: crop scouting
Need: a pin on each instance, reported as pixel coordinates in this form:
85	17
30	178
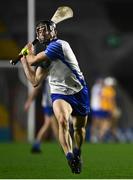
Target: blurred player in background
48	115
68	88
105	111
109	106
110	103
96	109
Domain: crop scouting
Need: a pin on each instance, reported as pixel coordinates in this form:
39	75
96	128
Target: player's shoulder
58	43
63	42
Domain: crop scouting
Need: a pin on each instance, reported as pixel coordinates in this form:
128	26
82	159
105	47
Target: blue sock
36	145
69	156
76	152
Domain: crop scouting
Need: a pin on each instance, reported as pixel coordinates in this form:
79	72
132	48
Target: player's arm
35	76
31	97
35	59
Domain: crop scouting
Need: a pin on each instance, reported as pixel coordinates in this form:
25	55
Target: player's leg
114	123
41	133
44	128
105	127
54	126
94	130
79	125
63	111
96	124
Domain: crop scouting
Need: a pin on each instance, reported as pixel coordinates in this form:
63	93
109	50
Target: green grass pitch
101	161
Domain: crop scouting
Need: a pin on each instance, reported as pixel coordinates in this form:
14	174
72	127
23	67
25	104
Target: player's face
43	34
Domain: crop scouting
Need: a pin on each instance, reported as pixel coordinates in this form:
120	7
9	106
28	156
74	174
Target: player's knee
63	122
83	130
79	128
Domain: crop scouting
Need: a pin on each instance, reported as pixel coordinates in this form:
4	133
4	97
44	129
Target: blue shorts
48	111
79	101
100	114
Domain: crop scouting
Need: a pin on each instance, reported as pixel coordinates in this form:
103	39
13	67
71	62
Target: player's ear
55	32
47	32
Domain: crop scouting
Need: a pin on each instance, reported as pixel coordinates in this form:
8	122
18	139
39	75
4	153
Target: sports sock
69	156
76	152
36	144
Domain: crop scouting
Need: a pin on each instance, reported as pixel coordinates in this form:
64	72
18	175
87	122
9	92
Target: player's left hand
30	47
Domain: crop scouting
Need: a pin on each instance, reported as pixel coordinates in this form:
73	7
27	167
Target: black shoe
78	164
75	166
35	150
71	163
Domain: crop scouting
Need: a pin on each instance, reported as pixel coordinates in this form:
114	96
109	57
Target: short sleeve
54	51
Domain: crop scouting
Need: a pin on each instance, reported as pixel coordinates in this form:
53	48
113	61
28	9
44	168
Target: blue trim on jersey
54	51
48	111
79	101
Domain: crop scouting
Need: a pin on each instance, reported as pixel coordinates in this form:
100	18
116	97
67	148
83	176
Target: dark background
95	22
100	33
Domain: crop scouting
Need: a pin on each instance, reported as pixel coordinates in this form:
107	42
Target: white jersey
65	76
46	96
96	97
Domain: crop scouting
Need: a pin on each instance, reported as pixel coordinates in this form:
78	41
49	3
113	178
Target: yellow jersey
108	96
